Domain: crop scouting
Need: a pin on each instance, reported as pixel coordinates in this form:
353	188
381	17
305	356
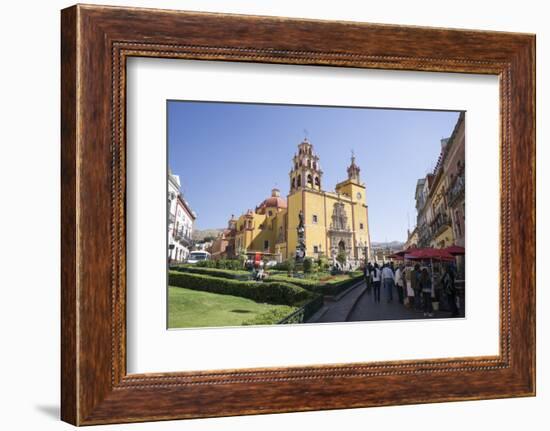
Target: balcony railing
182	238
456	190
440	222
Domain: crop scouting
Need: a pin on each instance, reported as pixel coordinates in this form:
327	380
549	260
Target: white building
180	222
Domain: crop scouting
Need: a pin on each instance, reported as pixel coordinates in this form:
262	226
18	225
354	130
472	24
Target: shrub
271	293
302	282
215	272
323	263
326	287
342	257
308	265
271	317
285	265
234	264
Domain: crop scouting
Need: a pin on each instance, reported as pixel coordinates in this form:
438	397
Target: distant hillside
393	245
199	235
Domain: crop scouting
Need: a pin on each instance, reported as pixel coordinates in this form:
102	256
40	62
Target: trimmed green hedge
223	273
271	317
235	264
328	288
302	282
271	293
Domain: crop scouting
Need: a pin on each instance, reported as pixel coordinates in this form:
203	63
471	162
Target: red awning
429	253
402	253
397	256
455	250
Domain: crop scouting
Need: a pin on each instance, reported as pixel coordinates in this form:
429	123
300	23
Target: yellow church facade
334	222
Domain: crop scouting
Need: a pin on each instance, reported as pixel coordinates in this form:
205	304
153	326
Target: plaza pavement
357	304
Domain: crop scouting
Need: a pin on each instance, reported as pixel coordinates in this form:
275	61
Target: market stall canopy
397	256
429	253
401	254
455	250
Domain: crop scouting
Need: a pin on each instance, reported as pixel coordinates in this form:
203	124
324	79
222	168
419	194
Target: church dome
274	202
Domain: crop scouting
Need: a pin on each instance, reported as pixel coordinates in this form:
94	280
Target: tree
342	257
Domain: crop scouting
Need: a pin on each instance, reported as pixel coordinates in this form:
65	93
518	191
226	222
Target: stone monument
301	245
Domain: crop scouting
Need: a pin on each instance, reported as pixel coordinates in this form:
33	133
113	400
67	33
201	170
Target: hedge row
302	282
235	264
336	288
271	317
223	273
328	288
271	293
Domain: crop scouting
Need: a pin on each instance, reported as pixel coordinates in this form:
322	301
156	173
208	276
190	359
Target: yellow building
440	223
335	222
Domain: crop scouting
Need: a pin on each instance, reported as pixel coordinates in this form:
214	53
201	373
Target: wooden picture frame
95	43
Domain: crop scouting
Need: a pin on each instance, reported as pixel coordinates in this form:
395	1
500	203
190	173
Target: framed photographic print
267	215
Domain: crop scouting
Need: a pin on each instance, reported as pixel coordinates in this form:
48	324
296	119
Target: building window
361	226
310	181
270	213
315	249
266	244
314	218
317	182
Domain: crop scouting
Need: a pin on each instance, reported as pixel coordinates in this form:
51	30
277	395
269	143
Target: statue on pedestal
301	245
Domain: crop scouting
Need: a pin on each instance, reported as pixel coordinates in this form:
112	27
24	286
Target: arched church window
299	181
317	182
310	180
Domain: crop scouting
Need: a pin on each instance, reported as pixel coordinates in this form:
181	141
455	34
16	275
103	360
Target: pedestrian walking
426	288
375	277
408	284
366	275
448	281
388	282
400	282
417	288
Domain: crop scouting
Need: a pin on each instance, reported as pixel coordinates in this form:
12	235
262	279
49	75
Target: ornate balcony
456	189
440	222
424	235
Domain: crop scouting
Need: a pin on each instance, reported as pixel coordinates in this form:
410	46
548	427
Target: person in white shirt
388	282
400	282
375	278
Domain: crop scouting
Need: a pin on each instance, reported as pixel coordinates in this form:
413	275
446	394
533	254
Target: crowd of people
416	285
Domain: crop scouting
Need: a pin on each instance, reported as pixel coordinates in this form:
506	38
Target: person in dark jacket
426	288
448	281
376	277
415	284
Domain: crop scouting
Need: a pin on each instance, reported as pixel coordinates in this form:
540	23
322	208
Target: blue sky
229	156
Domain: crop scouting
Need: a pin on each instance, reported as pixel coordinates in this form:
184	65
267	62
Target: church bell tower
306	171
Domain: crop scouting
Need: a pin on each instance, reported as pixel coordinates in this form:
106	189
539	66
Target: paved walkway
339	309
357	304
367	309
